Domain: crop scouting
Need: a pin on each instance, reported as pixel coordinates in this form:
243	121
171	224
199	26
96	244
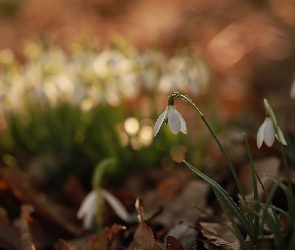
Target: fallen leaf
173	244
19	183
26	238
93	243
219	237
143	236
268	166
194	192
184	234
112	233
167	189
63	245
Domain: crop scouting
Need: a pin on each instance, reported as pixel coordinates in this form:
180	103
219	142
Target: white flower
267	134
93	200
176	122
292	91
88	208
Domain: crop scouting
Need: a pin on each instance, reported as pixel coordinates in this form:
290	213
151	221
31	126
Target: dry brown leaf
81	243
194	192
184	234
93	243
219	236
168	188
214	243
112	232
143	236
173	244
19	183
285	225
26	238
63	245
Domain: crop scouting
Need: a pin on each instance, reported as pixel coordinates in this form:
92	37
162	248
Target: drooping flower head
175	122
94	201
269	130
89	207
292	91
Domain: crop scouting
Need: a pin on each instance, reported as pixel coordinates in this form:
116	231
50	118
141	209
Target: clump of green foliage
63	112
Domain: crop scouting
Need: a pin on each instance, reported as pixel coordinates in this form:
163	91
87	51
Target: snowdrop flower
93	200
292	91
88	208
176	122
267	134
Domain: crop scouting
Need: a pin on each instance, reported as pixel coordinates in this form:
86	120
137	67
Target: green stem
285	163
99	226
286	168
98	172
255	189
188	100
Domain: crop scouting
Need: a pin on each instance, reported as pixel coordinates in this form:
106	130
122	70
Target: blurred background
81	81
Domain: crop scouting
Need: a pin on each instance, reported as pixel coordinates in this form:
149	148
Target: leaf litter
166	209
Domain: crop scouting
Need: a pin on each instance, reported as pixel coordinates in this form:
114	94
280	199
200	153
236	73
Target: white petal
281	137
89	217
88	208
292	91
118	207
260	135
182	123
159	122
268	132
173	120
88	201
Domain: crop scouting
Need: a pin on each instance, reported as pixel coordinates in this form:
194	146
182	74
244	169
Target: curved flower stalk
221	194
174	124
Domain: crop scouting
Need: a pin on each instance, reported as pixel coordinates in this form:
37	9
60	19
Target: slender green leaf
230	217
267	205
278	238
242	218
290	198
255	189
281	211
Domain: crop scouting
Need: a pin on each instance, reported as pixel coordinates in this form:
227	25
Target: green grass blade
281	211
242	218
278	238
230	217
267	205
290	198
255	189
